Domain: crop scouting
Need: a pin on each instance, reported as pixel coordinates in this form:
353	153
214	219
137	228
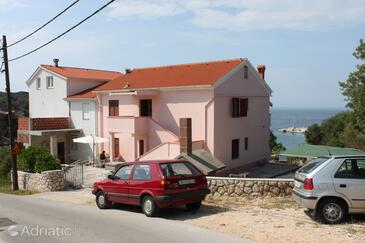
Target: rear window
176	169
312	165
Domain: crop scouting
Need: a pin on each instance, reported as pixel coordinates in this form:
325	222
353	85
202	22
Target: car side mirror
111	177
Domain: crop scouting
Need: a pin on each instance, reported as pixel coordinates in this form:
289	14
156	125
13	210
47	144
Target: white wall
48	102
77	85
83	151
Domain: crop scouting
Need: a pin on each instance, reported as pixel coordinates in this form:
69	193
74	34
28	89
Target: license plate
186	182
297	184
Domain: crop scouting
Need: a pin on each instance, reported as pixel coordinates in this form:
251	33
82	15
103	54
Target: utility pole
15	185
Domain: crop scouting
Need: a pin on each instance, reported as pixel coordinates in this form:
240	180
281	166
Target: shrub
5	161
37	159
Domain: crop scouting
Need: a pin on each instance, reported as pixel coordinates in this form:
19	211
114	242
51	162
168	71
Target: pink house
215	114
228	102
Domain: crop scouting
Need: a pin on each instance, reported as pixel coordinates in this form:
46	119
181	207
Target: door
140	181
118	190
141	147
116	148
145	107
61	151
349	180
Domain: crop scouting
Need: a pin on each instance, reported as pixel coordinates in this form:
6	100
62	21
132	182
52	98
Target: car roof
155	161
348	156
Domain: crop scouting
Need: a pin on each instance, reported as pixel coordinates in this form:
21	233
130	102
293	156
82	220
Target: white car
332	187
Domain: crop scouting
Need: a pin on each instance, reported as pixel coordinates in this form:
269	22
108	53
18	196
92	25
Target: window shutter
235	107
243	107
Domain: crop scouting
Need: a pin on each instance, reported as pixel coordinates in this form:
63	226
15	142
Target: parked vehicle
153	185
332	187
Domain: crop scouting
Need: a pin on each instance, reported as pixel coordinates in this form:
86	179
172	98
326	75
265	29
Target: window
142	172
246	143
245	72
312	165
352	168
124	172
176	169
239	107
38	83
145	107
141	146
113	107
49	82
85	111
235	148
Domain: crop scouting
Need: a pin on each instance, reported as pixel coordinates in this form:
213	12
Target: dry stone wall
249	187
51	180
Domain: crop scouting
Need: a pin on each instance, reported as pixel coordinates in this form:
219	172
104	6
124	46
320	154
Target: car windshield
312	165
178	169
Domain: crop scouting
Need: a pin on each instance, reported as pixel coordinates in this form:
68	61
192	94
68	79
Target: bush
5	161
37	159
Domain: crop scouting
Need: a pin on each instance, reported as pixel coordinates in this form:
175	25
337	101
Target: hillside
20	107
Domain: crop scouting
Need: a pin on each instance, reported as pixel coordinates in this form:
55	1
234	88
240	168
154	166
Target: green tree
314	135
37	159
330	132
5	161
354	89
275	147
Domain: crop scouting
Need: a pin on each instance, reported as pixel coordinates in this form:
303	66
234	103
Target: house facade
228	103
216	114
62	108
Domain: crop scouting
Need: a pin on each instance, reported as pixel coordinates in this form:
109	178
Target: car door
119	190
140	181
349	180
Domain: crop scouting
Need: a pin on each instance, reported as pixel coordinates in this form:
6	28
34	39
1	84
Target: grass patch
5	187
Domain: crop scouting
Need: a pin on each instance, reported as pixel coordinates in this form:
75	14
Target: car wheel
101	201
332	211
149	206
194	206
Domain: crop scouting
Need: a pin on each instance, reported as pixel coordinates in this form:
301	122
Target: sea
300	117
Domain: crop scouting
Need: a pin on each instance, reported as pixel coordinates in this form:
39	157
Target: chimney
261	70
128	70
185	136
56	60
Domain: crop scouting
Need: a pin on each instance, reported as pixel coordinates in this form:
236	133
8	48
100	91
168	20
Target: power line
59	36
48	22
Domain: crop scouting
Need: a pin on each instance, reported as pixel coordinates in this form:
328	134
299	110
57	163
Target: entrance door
116	148
61	151
141	147
145	107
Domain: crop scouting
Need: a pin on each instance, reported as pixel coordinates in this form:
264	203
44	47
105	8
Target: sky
306	45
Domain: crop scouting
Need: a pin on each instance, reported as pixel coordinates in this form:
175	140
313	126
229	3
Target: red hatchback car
153	185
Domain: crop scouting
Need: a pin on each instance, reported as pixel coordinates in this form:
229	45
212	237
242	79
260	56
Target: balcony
127	124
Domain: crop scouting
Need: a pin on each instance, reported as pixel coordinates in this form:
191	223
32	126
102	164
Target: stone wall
51	180
249	187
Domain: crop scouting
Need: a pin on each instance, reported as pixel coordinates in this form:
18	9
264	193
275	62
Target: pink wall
210	110
255	126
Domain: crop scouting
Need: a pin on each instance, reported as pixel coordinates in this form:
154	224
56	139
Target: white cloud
9	4
249	14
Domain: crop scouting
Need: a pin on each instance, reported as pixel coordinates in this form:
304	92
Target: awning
311	151
53	131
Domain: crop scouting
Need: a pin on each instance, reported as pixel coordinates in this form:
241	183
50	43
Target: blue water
287	117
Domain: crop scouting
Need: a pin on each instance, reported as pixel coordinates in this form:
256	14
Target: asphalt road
39	220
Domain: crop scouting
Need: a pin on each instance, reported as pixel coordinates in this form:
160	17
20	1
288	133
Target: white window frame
38	83
49	82
85	115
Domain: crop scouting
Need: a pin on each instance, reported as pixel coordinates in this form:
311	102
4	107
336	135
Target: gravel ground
262	220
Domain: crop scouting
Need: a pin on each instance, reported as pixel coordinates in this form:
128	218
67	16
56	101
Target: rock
249	183
247	190
255	188
275	190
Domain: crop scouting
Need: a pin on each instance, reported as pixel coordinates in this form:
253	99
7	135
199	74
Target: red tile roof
86	94
204	73
82	73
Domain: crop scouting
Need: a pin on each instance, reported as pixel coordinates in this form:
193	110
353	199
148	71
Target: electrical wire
48	22
59	36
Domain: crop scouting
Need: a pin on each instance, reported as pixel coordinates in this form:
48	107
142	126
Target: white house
62	107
